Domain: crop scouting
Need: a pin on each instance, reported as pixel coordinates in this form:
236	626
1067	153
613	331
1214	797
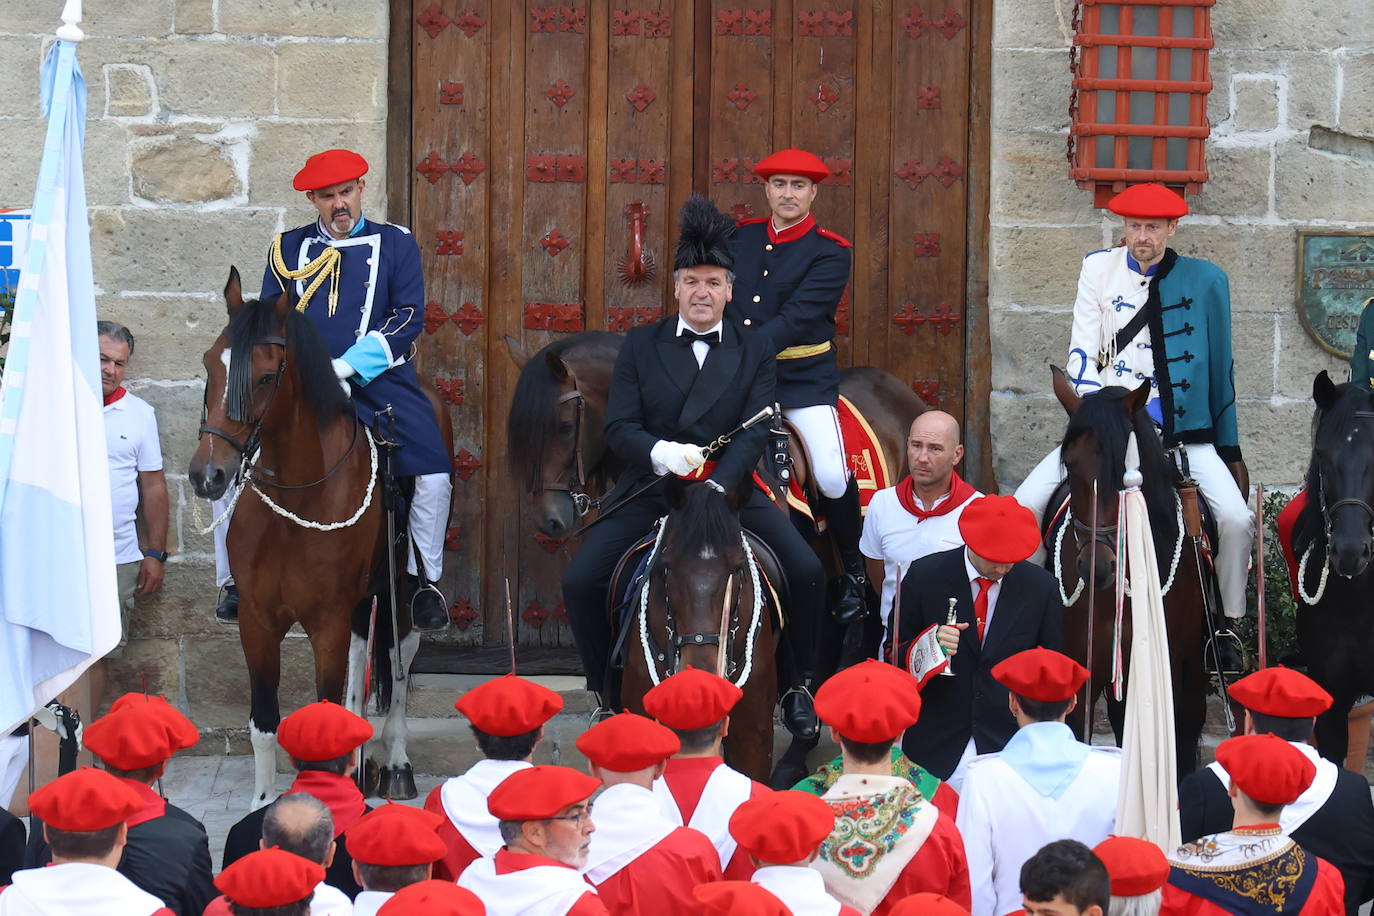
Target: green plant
1280	607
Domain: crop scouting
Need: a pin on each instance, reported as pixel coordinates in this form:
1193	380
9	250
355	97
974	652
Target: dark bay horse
1094	449
1333	535
308	534
705	602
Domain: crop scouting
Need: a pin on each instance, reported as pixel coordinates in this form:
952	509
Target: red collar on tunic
154	805
339	794
791	233
507	861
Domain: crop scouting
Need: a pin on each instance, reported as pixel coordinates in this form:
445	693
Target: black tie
688	336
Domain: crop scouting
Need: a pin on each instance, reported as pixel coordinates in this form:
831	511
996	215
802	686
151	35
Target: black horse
1335	534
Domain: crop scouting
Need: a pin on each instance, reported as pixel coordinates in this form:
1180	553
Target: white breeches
819	428
1235	523
223	576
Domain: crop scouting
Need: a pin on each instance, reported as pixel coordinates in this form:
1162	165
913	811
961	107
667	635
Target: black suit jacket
1340	831
657	392
1028	613
244	837
11	846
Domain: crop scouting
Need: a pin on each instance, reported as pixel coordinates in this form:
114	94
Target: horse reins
577	489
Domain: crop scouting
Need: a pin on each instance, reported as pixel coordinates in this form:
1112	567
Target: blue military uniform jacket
789	284
380	314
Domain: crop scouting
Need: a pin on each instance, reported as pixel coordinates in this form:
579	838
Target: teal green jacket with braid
1363	355
1190	330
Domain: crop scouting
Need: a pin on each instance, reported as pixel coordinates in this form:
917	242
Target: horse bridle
676	641
250	445
1329	511
583	503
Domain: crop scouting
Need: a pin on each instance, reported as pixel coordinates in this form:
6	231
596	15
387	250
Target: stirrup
1232	662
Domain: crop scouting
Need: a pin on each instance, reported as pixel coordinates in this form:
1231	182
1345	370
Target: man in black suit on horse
1003	605
678	385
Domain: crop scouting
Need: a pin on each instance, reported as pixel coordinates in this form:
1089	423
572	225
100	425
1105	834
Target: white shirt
898	538
75	889
368	903
993	591
131	443
1111	290
700	348
330	901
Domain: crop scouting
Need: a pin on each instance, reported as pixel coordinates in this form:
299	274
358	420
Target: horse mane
319	387
703	522
1104	415
1340	415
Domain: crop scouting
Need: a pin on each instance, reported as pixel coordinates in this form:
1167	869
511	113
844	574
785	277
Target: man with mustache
1146	313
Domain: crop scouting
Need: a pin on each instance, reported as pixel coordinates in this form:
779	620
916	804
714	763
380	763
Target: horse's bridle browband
676	641
582	502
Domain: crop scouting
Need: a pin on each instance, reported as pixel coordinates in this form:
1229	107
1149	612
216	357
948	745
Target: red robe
1267	859
460	853
686	779
659	881
938	868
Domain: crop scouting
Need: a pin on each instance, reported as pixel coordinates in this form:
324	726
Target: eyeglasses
577	819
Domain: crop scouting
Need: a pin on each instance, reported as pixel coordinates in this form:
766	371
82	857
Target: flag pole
71	15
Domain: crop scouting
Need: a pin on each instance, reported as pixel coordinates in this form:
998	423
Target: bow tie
688	336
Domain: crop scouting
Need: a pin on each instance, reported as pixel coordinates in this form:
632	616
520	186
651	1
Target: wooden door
527	139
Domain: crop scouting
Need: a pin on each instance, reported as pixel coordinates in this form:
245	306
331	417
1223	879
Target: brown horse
1094	449
308	534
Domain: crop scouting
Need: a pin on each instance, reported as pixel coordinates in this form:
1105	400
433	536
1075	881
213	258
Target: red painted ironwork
465	464
947	171
741	96
625	22
640	97
658	24
825	23
559	93
469	22
729	22
554	242
468	318
916	23
535	614
621	318
944	319
435	316
468	166
928	97
908	318
550	545
913	173
462	613
949	23
553	316
927	244
432	167
747	175
432	20
450	92
543	19
758	22
723	169
841	170
453	538
741	211
636	266
572	19
623	171
560	613
652	171
546	167
928	390
451	389
450	241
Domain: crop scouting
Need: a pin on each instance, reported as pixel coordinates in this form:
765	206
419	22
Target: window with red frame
1140	85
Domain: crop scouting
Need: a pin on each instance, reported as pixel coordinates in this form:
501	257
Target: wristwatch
160	555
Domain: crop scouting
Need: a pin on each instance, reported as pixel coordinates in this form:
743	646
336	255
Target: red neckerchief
339	794
959	492
791	233
154	805
115	395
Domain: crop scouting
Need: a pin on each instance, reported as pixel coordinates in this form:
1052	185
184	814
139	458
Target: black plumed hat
704	236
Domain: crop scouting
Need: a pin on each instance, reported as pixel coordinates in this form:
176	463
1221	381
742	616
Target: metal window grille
1140	84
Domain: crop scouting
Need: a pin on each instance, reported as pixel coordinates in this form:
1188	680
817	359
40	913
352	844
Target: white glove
343	371
681	458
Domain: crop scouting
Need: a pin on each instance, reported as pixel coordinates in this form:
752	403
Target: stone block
1311	88
194	17
1300	358
1260	261
217	679
19	166
328	79
1030	181
1239	182
20	62
191	515
183	171
1024	429
1312	185
173	332
107	162
197	78
1254	24
1024	346
1033	89
279	151
1357	94
1257	103
147	249
151	18
1254	343
178	419
325	18
1038	267
1275	438
183	608
146	666
1030	25
130	91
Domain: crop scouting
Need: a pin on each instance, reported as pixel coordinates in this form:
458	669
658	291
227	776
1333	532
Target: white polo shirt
132	445
898	538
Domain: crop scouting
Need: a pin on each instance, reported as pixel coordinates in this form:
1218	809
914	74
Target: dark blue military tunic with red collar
380	314
789	284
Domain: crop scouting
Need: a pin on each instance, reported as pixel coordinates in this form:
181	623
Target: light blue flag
59	608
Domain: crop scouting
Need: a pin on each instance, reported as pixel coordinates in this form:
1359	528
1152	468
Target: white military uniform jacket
1043	786
1111	289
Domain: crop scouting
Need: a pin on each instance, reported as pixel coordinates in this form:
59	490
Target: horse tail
382	643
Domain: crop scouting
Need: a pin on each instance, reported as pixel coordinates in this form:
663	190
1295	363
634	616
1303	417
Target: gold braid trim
328	266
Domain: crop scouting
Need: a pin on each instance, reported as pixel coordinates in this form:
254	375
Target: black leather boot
428	609
845	522
1229	654
227	611
799	710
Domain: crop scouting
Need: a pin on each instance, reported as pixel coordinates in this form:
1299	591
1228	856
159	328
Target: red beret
396	835
1135	866
927	904
535	793
269	877
793	162
84	801
999	529
1266	768
627	742
133	737
738	898
1148	201
184	730
782	827
1040	674
509	706
433	898
1281	692
333	166
322	731
692	699
869	702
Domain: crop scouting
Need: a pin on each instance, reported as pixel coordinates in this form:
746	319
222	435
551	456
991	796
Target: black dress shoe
227	611
851	606
428	610
799	713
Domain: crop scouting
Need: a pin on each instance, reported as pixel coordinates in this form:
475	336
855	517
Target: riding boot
227	611
799	709
845	522
428	609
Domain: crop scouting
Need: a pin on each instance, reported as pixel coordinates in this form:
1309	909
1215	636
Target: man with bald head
920	515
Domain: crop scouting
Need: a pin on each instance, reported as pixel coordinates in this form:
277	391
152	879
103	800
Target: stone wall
1281	69
200	112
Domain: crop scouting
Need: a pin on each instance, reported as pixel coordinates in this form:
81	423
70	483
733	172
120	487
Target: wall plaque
1335	283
